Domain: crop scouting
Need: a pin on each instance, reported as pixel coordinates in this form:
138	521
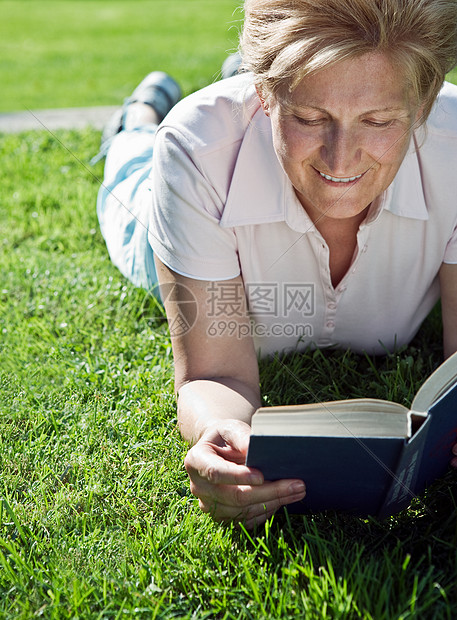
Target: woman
310	201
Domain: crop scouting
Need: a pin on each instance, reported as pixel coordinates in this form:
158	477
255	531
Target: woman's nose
341	151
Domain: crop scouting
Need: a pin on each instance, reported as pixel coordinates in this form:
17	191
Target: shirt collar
260	191
256	194
405	195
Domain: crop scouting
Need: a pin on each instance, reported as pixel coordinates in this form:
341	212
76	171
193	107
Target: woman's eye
309	122
371	123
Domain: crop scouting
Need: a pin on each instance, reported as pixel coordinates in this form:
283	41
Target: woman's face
343	135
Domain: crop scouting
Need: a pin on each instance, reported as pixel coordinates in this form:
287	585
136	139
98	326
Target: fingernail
297	487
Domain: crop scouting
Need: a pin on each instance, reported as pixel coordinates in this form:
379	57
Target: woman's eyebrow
388	109
299	108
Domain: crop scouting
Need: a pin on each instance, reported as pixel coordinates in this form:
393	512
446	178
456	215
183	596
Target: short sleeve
450	255
184	223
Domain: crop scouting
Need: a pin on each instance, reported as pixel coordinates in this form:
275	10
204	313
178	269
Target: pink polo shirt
222	205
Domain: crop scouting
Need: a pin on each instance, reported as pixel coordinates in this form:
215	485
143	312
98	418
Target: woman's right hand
226	488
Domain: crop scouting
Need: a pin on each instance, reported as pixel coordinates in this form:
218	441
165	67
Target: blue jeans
123	205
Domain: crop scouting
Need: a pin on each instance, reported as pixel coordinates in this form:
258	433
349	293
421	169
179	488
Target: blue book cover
341	473
361	456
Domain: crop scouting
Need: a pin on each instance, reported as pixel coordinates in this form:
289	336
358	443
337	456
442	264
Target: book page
436	385
358	417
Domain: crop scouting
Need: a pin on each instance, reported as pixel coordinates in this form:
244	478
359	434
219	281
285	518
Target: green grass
71	53
96	517
67	53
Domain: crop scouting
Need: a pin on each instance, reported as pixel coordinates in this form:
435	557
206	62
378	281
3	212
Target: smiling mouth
340	179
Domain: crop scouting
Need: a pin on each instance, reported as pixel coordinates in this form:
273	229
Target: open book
363	456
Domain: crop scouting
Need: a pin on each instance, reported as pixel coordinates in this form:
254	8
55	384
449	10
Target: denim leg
123	205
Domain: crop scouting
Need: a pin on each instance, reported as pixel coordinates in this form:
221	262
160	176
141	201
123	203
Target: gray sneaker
158	89
231	65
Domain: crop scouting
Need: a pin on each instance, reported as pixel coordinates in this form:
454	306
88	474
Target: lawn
66	53
96	517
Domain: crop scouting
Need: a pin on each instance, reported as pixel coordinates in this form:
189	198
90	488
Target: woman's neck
333	227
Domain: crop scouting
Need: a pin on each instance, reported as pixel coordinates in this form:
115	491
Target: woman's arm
217	382
448	284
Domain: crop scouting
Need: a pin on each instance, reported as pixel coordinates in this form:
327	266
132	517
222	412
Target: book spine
404	480
440	439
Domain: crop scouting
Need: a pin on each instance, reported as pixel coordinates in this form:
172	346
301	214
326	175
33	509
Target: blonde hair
284	40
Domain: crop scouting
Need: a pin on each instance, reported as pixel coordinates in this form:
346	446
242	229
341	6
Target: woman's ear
263	101
419	120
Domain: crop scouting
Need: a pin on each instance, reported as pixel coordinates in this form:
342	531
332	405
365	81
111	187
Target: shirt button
330	324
